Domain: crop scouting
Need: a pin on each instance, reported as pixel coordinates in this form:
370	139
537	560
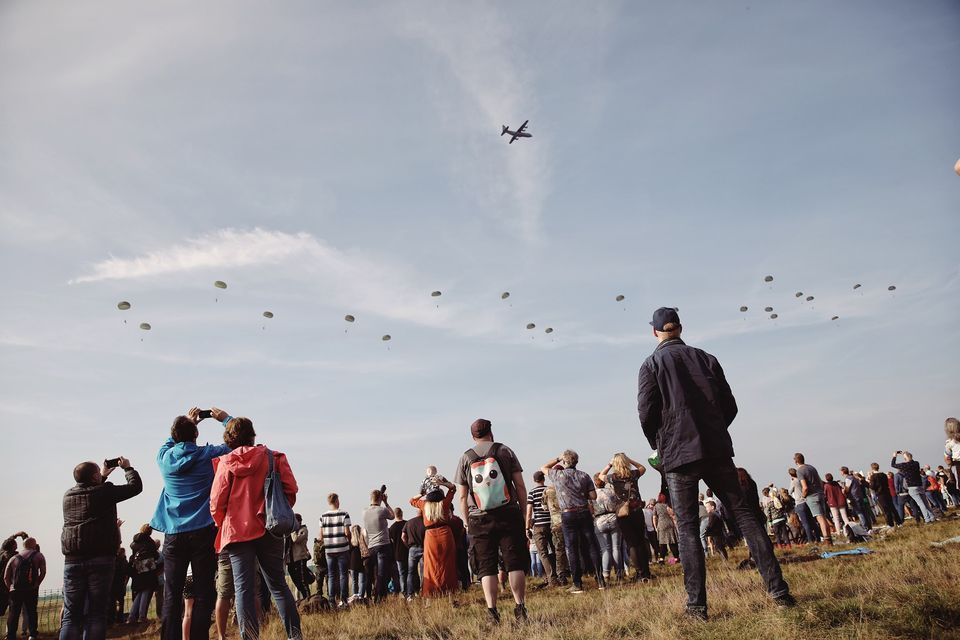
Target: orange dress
439	554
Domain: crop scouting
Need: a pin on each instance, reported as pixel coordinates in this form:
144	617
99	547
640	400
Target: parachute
219	284
856	286
531	326
123	305
268	314
892	288
548	330
504	295
774	316
834	318
768	309
798	294
743	309
145	326
809	298
349	318
768	279
436	294
621	298
386	338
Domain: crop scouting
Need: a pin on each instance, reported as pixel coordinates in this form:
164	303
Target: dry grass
906	589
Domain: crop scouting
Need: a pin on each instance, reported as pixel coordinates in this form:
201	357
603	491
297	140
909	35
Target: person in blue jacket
183	516
686	407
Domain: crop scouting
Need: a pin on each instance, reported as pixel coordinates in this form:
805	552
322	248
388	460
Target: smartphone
111	463
205	413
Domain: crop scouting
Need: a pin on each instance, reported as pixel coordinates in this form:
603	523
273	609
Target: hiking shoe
520	612
696	613
786	601
601	583
493	616
577	588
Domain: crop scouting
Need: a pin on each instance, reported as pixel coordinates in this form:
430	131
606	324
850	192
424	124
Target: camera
111	463
205	413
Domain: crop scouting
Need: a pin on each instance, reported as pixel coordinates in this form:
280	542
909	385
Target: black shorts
499	534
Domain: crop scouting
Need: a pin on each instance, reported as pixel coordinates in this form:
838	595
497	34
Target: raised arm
133	487
548	467
642	469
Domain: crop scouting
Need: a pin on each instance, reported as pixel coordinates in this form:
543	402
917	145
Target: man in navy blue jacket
685	407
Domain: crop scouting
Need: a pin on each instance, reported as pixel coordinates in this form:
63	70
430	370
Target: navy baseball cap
664	315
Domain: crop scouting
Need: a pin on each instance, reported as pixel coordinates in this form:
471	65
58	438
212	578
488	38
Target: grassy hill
906	589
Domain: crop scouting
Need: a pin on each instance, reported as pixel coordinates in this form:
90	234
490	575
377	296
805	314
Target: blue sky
326	159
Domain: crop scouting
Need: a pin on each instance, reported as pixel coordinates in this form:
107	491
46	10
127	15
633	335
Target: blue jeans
611	545
402	572
338	579
806	521
917	494
579	534
86	596
268	550
721	476
386	565
22	603
193	549
359	583
140	608
414	558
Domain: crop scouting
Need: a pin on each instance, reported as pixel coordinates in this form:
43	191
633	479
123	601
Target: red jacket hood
237	501
244	461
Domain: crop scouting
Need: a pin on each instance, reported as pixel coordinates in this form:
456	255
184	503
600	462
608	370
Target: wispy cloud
225	248
353	280
479	47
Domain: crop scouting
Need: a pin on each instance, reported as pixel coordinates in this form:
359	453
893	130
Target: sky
326	159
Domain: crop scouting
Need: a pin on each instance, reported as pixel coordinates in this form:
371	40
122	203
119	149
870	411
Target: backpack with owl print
488	485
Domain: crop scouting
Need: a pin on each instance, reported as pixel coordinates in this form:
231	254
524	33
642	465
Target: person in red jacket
837	502
238	506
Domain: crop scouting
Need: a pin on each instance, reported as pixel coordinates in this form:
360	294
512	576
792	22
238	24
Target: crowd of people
224	550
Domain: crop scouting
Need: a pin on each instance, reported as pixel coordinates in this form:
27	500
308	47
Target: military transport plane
519	133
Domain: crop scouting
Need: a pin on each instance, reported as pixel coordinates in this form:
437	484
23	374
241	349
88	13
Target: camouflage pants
563	569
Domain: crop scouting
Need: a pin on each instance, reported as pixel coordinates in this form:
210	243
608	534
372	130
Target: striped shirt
335	525
541	517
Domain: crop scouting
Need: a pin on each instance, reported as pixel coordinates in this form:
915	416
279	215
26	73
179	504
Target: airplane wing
519	131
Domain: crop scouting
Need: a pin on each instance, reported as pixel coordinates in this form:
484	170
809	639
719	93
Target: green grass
906	589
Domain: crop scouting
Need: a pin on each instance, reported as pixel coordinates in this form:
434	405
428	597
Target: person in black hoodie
144	572
90	539
685	408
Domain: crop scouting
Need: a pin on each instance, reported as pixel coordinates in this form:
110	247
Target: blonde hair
434	511
952	428
621	468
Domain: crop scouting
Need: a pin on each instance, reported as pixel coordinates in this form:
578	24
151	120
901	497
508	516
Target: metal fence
50	605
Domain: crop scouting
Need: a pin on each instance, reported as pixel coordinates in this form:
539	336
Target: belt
575	510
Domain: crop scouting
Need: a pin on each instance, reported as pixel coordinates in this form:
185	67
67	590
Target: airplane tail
504	130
